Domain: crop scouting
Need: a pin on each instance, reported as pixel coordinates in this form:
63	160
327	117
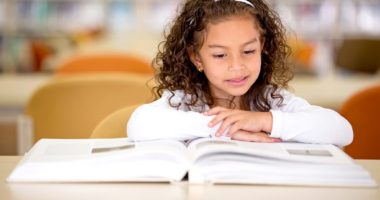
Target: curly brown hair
175	70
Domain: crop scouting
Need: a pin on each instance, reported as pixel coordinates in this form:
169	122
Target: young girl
223	72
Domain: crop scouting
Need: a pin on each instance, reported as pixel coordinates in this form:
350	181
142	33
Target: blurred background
335	43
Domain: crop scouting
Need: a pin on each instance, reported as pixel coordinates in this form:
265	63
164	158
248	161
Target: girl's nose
236	63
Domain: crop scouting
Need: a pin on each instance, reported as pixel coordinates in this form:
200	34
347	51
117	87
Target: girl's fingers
215	120
220	116
234	128
214	111
229	121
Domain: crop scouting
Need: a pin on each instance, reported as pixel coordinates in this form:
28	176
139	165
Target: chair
362	111
105	63
71	106
359	54
114	125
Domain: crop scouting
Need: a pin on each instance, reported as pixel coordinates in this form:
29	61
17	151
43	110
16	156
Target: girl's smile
240	81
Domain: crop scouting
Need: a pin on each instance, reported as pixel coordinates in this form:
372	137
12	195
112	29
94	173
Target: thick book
201	161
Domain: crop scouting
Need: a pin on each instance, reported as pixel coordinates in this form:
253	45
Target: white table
178	191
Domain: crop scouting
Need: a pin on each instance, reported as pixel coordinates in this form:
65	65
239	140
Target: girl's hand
239	120
253	137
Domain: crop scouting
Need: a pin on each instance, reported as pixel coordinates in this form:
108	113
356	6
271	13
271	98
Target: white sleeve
158	120
297	120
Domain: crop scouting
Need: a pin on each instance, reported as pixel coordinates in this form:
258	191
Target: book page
81	149
283	151
72	160
218	160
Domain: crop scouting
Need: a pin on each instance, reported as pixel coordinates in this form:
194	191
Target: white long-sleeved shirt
294	120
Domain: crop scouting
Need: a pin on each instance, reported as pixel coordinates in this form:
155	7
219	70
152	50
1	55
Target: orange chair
362	110
71	106
105	63
115	124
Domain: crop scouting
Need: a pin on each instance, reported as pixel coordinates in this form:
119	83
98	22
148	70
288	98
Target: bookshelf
23	21
330	19
69	21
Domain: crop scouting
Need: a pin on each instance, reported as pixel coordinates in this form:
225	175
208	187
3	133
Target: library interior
335	52
77	69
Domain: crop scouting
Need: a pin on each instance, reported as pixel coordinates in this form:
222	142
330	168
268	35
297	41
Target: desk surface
178	191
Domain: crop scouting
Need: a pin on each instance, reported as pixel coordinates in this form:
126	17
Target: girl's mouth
237	81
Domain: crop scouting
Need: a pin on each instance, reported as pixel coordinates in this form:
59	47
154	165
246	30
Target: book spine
196	176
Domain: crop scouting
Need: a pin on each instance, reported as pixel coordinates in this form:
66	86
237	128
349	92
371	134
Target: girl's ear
195	59
262	44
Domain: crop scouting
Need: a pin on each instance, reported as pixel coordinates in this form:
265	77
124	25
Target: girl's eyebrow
254	40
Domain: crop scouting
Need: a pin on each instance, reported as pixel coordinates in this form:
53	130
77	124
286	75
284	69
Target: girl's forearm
317	125
151	122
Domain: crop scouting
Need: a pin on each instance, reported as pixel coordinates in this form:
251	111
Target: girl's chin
237	92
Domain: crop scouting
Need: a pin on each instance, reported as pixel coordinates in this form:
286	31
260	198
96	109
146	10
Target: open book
205	160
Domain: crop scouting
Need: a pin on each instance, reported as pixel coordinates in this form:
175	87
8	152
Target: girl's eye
219	55
249	52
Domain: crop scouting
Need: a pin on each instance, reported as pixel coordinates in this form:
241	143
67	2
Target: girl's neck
228	103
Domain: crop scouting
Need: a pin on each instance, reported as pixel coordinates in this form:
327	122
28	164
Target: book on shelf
203	160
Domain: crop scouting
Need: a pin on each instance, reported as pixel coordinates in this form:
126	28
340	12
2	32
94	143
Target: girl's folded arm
302	122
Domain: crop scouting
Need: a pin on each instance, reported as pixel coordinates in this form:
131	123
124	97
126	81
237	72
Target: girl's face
230	56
